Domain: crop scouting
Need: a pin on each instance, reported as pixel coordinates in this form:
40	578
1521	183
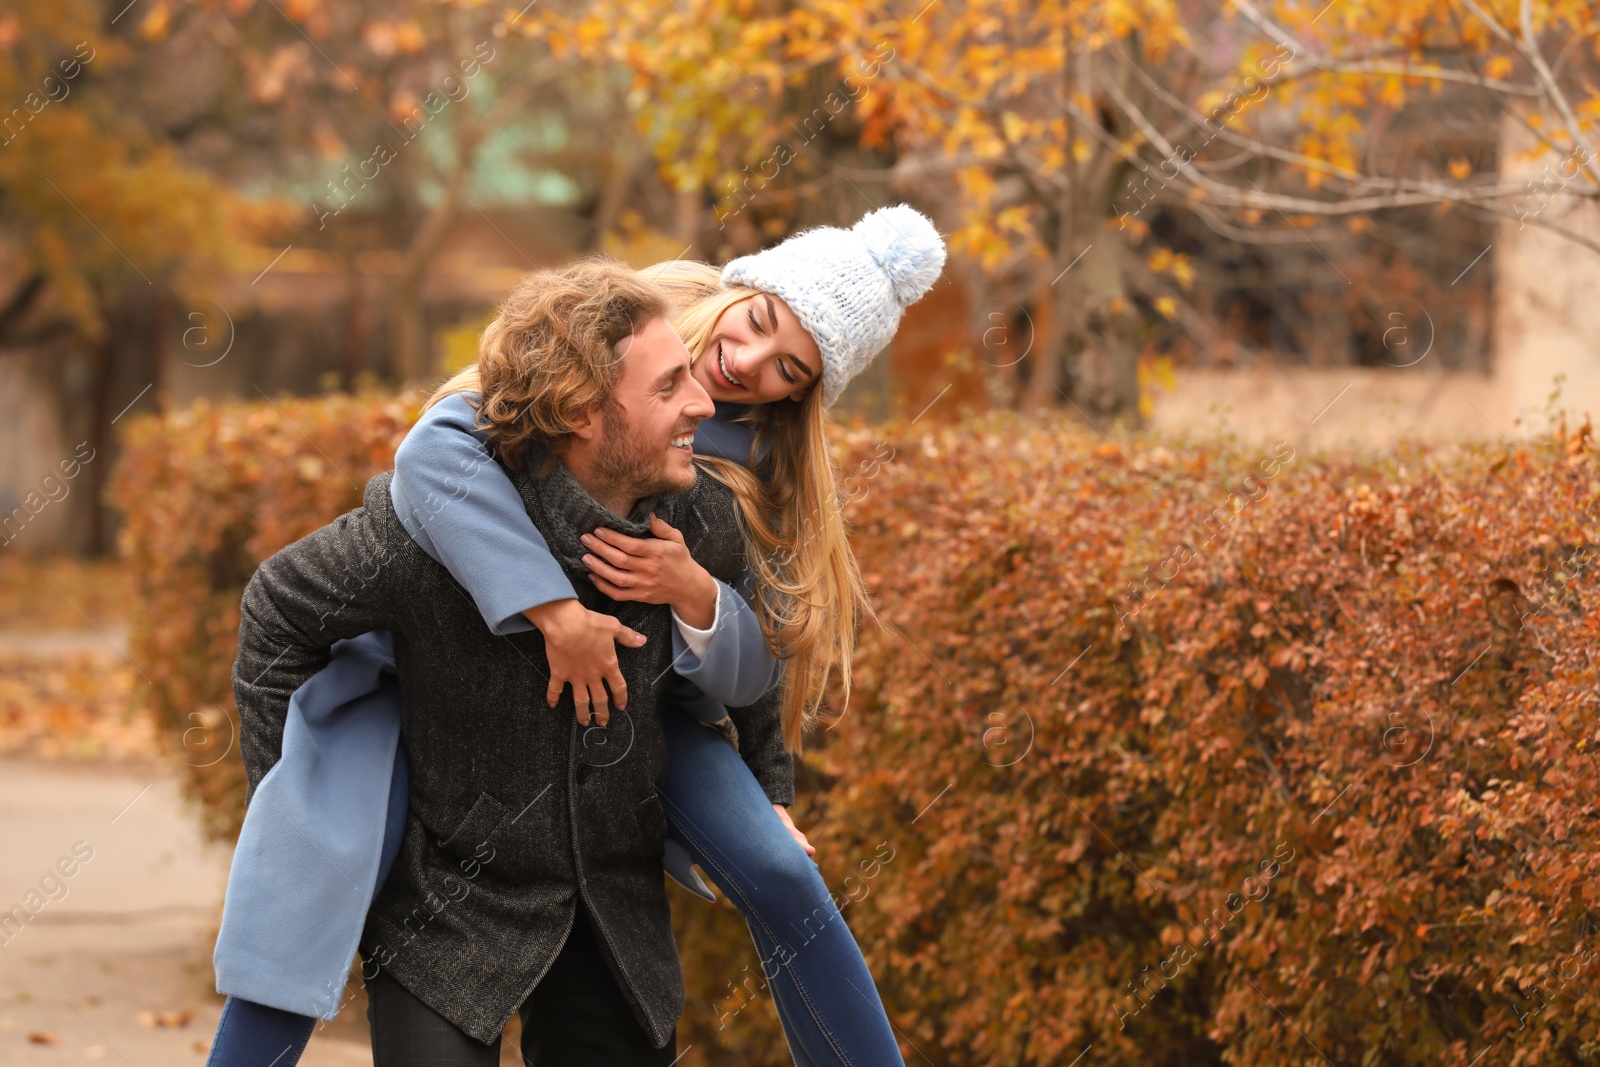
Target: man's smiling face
646	441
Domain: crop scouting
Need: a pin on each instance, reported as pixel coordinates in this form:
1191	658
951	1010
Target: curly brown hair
549	357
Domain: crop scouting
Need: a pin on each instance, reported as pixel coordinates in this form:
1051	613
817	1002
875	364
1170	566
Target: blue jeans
825	995
254	1035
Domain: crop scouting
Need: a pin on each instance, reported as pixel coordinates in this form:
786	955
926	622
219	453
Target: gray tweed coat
517	813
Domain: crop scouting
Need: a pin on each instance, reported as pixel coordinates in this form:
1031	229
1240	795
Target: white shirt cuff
699	640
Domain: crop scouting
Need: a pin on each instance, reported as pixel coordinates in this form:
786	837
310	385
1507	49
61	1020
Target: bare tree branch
1407	70
1530	51
1220	226
1358	66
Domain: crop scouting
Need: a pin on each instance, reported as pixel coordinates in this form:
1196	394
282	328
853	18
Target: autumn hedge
207	493
1174	753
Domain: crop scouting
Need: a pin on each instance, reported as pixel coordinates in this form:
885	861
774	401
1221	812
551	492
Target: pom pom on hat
906	246
849	287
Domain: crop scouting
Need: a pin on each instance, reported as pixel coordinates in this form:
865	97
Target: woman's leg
827	1000
254	1035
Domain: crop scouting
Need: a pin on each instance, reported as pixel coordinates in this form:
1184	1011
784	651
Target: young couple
572	638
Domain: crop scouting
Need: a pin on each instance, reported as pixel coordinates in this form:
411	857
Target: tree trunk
99	437
688	213
1043	387
1107	378
1094	330
414	360
355	324
614	195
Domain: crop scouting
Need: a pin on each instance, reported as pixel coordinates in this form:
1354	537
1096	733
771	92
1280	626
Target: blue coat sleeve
737	668
461	509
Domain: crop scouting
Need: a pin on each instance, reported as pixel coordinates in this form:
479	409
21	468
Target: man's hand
652	570
582	648
794	831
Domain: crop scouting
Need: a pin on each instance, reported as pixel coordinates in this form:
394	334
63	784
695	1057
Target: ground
118	967
116	963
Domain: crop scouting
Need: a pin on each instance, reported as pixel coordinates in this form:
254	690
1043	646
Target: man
529	876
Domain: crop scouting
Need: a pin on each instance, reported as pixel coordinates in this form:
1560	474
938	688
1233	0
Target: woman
775	337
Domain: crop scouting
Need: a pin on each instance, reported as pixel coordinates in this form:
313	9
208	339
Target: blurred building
1544	343
311	320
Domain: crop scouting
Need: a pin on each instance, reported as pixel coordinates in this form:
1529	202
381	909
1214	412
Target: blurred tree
88	200
98	214
411	114
1051	132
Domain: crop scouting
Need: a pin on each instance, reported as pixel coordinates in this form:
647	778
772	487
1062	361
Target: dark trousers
575	1017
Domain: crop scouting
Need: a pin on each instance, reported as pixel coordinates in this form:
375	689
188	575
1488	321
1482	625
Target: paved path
106	641
129	931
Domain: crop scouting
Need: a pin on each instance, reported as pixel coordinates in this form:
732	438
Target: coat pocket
474	831
652	823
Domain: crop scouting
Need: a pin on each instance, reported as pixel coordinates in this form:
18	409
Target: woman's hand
652	570
581	646
794	831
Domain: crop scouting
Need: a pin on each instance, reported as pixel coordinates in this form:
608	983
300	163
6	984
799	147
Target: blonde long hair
809	588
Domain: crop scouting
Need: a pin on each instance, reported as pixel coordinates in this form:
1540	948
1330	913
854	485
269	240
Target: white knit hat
848	287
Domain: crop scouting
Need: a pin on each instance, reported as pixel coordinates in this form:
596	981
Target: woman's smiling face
758	353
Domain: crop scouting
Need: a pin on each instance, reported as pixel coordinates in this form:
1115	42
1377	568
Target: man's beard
631	466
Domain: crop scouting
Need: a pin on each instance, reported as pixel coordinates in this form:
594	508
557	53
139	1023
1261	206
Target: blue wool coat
324	824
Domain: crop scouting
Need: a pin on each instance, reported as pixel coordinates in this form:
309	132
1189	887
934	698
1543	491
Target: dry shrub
1326	792
1378	671
208	492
